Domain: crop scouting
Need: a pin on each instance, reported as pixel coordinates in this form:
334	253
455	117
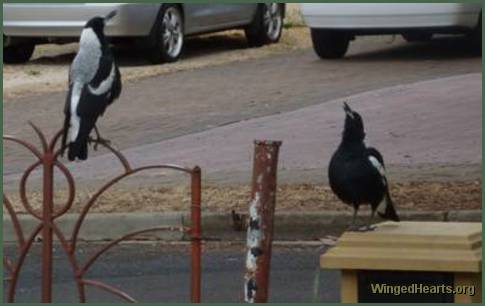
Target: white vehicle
334	25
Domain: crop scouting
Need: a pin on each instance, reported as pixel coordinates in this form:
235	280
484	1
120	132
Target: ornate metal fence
47	157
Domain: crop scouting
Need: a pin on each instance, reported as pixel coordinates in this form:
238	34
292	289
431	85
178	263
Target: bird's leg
353	226
369	226
98	139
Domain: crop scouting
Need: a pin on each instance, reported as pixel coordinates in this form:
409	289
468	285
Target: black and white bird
356	173
94	83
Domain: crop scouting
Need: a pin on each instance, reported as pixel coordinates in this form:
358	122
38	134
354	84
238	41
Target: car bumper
390	15
67	20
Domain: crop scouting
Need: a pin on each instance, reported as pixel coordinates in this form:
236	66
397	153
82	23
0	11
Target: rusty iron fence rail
47	157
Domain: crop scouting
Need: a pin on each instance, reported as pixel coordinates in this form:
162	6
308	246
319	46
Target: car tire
418	36
18	53
267	25
476	37
330	44
166	41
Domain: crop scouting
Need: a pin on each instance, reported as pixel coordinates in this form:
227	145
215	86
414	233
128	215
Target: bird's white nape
88	37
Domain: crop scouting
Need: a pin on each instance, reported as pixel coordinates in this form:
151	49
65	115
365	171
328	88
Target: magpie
94	83
356	172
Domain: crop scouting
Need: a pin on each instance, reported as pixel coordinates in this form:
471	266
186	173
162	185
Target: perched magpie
94	83
356	173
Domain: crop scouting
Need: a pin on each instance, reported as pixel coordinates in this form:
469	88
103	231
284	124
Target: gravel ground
421	196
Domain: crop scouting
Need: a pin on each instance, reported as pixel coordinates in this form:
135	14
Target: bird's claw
97	141
363	228
353	228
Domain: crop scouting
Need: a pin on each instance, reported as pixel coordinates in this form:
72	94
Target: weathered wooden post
261	216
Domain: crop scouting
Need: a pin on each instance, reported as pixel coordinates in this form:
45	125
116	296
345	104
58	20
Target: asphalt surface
153	273
161	108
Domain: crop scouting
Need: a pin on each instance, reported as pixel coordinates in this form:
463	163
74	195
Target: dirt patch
48	69
420	196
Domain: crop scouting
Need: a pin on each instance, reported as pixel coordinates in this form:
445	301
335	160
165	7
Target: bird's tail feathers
390	212
78	149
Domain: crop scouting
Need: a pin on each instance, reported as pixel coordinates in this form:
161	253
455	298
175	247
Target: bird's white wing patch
379	167
105	85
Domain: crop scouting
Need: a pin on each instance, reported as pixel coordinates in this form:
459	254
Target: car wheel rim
273	20
172	34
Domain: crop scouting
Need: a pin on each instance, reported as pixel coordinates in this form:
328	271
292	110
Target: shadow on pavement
440	48
127	56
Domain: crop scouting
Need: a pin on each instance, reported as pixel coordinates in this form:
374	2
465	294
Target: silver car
159	29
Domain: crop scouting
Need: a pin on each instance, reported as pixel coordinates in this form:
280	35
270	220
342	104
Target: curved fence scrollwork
47	157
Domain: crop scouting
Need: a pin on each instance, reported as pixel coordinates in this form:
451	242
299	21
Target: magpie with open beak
357	174
94	83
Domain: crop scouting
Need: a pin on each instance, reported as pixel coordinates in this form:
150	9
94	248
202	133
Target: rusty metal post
47	218
196	234
261	215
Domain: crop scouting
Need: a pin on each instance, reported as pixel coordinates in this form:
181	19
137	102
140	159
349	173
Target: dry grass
422	196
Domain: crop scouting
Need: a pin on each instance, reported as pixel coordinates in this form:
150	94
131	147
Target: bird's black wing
116	90
97	94
91	105
378	163
104	69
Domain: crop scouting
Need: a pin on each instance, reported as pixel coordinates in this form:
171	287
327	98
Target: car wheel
330	44
418	36
18	53
167	36
267	26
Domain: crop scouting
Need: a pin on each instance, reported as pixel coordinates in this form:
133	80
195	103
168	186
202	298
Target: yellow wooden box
452	247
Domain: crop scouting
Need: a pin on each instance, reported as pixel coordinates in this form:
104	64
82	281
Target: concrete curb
219	226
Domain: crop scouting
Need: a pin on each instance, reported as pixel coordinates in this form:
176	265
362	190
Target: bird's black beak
109	16
348	110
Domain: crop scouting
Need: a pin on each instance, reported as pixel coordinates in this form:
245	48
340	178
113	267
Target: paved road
161	108
152	273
